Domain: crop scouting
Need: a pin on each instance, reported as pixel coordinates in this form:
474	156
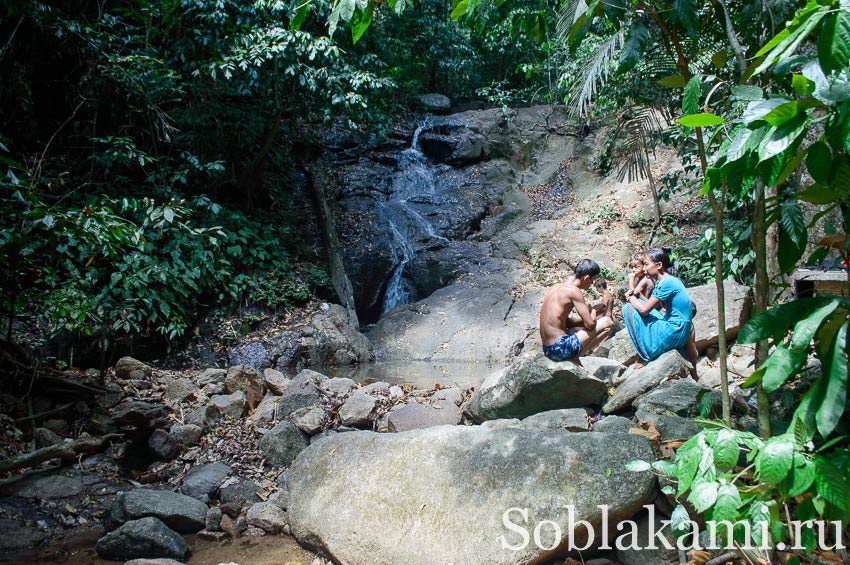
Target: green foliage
735	477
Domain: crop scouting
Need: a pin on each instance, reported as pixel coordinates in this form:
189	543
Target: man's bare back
568	327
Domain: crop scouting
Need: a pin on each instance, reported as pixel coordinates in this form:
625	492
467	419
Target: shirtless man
565	337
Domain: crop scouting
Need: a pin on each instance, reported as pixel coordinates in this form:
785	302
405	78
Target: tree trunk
762	294
717	210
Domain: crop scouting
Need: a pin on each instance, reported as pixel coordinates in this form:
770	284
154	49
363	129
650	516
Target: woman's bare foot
638	365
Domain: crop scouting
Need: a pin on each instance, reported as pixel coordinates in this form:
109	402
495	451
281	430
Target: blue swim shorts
566	347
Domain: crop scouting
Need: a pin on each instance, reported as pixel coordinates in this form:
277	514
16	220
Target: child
607	304
641	284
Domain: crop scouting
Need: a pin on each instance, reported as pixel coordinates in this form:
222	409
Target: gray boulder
677	397
246	379
604	369
738	305
275	381
202	481
502	423
569	419
268	517
635	382
164	445
668	426
128	368
358	410
645	556
282	444
340	385
534	384
436	103
178	511
212	377
330	339
240	494
44	437
415	416
139	415
181	390
614	425
267	411
619	349
155	561
439	495
231	406
309	420
302	392
145	537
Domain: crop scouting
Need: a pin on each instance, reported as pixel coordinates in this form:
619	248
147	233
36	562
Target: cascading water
414	182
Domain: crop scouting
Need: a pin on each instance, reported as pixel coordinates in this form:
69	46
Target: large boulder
569	419
139	414
178	511
440	495
635	382
146	537
358	410
653	551
436	103
534	384
679	397
619	349
202	481
282	444
303	392
128	368
738	304
331	339
246	379
602	368
442	408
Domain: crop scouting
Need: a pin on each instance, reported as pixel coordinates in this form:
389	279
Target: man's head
586	271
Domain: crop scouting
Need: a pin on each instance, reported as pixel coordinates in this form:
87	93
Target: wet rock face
398	208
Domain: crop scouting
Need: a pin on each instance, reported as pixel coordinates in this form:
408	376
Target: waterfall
414	181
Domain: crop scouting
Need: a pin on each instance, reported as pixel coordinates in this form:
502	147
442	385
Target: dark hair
661	256
600	283
638	256
587	267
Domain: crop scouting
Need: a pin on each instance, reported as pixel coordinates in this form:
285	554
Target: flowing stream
414	182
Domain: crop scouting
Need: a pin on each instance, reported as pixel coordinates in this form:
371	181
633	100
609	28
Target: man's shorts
566	347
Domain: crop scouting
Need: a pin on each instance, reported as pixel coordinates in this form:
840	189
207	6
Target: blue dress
654	334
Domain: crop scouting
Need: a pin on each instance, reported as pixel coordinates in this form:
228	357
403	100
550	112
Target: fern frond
634	139
595	73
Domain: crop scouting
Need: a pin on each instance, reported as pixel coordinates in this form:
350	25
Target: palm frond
595	73
568	12
634	139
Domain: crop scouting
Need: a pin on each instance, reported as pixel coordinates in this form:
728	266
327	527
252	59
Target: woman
651	333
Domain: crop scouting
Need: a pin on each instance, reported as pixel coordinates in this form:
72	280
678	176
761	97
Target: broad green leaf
686	12
726	450
819	162
672	81
703	495
780	366
787	46
841	178
805	329
834	42
817	194
835	395
775	322
804	475
700	120
679	519
793	235
297	19
634	46
802	85
831	483
736	148
459	10
687	462
747	92
782	137
758	109
782	113
360	22
719	59
664	467
346	9
790	168
690	98
774	462
728	503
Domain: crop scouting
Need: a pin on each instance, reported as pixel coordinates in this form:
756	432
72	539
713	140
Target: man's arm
588	316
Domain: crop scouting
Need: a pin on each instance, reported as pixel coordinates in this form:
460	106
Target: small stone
280	499
276	381
357	410
378	386
310	421
246	379
128	368
266	412
203	481
56	425
231	406
340	385
181	390
186	434
240	494
213	389
144	538
155	561
614	425
267	516
302	392
213	519
253	532
229	527
44	437
569	419
396	392
164	445
282	444
502	423
212	376
213	536
140	415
